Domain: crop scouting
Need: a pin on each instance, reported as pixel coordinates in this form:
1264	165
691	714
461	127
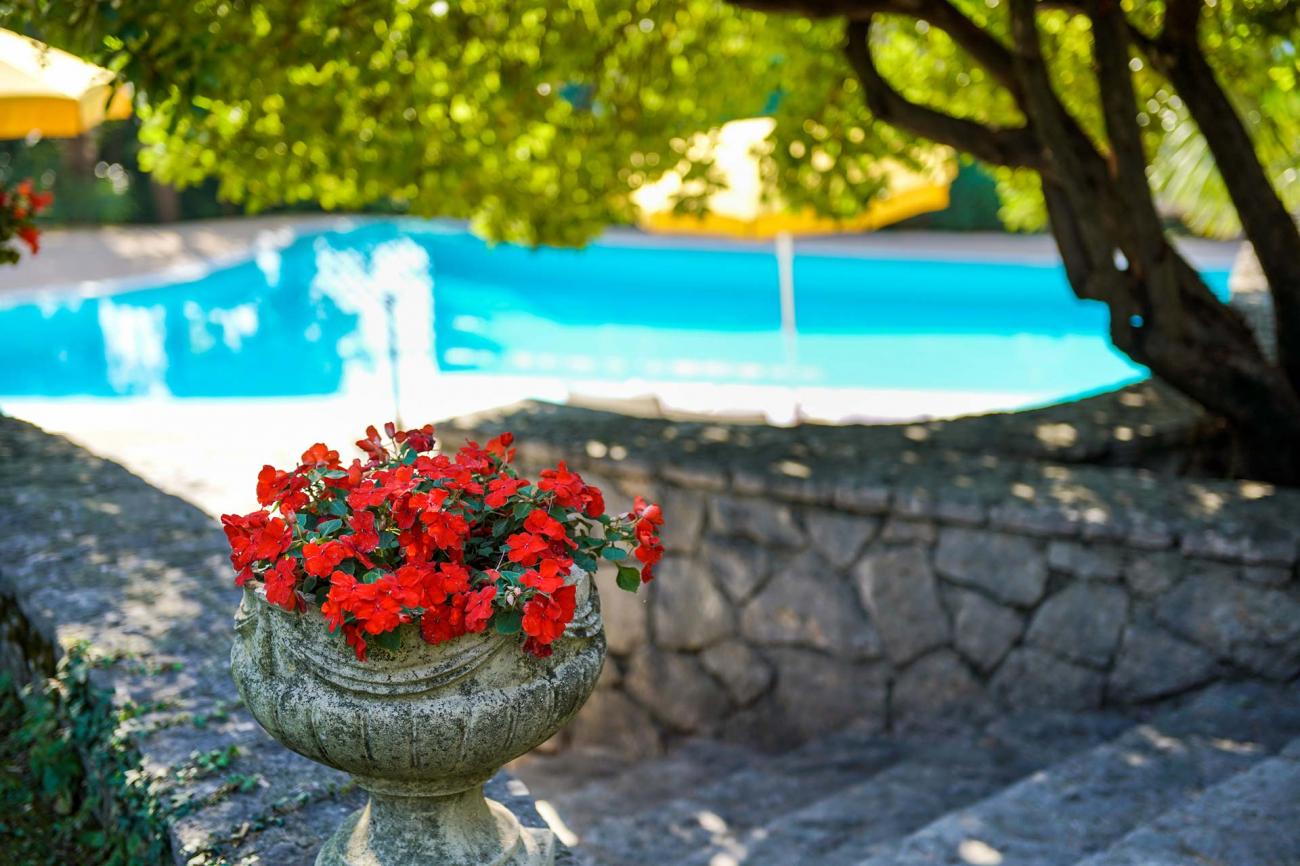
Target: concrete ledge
89	552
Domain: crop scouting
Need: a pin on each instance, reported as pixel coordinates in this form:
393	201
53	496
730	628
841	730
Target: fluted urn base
462	829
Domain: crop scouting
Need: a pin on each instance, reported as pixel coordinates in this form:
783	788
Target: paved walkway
112	257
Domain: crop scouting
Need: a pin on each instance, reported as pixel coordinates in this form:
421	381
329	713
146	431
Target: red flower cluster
454	544
17	208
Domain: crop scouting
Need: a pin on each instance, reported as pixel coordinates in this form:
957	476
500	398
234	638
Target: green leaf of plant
614	554
389	640
327	526
508	622
628	578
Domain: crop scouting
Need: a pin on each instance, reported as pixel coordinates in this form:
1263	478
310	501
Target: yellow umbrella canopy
52	92
742	210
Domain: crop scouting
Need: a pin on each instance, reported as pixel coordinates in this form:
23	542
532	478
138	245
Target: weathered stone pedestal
457	829
420	730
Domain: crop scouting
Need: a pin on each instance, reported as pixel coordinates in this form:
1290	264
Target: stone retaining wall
819	575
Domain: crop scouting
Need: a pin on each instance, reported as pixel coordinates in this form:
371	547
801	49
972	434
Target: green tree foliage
535	120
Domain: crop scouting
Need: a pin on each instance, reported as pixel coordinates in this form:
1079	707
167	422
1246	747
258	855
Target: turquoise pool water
309	318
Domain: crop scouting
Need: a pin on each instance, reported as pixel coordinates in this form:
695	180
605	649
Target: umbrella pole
789	332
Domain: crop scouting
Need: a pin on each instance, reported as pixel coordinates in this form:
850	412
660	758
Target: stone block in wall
932	684
626	614
1254	544
1046	519
758	520
839	537
743	672
899	530
1256	627
611	720
684	512
815	693
1153	663
1266	575
1148	532
696	476
690	613
1031	678
789	480
676	691
1082	622
862	496
740	568
1011	568
1149	574
898	588
1092	561
807	603
983	630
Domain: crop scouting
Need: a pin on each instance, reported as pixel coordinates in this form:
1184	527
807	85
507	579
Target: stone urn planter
420	730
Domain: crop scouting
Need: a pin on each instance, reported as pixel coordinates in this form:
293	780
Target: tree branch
974	39
1110	31
997	145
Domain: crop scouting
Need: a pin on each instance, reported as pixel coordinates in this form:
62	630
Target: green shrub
70	787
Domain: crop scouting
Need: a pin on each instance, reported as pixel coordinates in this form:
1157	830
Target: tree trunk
1269	226
1103	214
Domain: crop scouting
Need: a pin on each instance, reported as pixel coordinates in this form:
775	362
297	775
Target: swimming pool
408	304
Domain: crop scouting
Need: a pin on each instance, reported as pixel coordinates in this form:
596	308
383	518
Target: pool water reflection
338	311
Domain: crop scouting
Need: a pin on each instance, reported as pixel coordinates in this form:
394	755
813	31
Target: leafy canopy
536	120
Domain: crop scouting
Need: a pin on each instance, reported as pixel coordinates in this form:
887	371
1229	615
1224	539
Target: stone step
706	820
1252	819
937	775
1083	804
617	789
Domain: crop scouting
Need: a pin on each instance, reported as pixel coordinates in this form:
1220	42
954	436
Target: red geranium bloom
499	447
546	578
446	530
442	623
320	560
285	489
339	601
539	522
352	634
571	492
376	607
478	609
501	489
364	536
320	455
32	237
534	647
546	616
526	548
281	583
419	440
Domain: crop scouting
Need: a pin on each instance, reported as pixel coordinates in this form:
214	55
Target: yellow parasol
51	92
741	209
